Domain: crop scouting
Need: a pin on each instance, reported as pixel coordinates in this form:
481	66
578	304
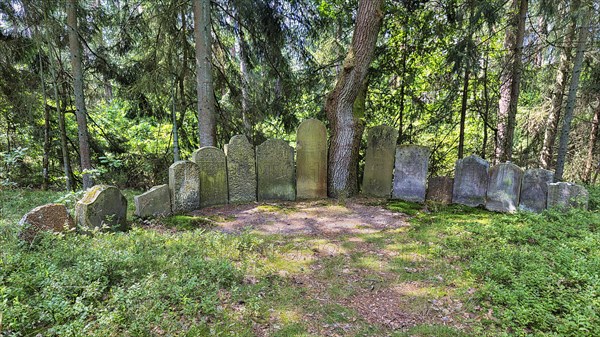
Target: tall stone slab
184	184
241	170
567	195
439	189
534	190
410	173
470	181
311	160
101	206
379	161
212	167
154	202
504	188
275	170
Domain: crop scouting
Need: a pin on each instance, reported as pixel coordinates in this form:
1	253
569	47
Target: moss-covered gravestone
410	173
439	189
102	206
212	165
184	184
534	190
504	188
379	161
241	170
311	161
46	218
470	181
154	202
275	170
567	195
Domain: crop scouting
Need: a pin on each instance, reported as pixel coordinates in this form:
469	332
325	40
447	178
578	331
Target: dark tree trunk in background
402	93
174	121
77	68
346	128
587	175
510	81
204	83
463	115
486	109
47	140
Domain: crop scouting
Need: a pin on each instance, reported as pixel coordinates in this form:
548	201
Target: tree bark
204	83
571	99
463	115
486	109
47	140
558	92
587	175
244	76
346	127
81	112
510	81
174	120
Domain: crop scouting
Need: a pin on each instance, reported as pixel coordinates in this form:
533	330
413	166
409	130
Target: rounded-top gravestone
504	188
241	170
275	170
311	161
212	168
102	206
379	161
534	190
470	181
410	173
184	184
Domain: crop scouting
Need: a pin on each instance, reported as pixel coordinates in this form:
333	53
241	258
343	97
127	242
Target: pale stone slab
564	195
504	188
410	173
241	170
470	181
212	165
439	189
46	218
534	190
101	206
311	160
379	161
275	170
155	202
184	185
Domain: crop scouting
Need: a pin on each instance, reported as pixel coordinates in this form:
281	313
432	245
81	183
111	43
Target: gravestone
241	170
184	185
504	188
46	218
311	160
534	190
379	161
102	205
470	181
155	202
275	170
440	189
410	173
212	166
567	195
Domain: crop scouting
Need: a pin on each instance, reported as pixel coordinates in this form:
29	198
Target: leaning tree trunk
204	84
510	81
81	112
587	175
345	125
566	127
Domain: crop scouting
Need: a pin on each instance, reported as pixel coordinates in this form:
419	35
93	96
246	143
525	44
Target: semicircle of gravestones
410	173
379	161
504	187
184	185
470	181
102	206
212	168
534	190
241	170
275	170
311	160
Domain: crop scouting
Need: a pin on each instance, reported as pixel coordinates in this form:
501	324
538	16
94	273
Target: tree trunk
245	78
587	175
402	93
486	109
204	83
345	125
81	112
558	92
174	119
463	115
571	99
510	81
46	156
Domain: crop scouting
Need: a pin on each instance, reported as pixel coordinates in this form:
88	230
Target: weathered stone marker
470	181
241	170
46	218
155	202
410	173
102	205
275	170
379	161
311	160
212	165
504	188
184	184
567	195
534	190
440	189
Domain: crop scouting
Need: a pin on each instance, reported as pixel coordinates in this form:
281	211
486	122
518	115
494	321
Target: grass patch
186	222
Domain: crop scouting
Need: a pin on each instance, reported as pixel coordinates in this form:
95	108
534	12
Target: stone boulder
46	218
154	202
567	195
101	206
439	189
